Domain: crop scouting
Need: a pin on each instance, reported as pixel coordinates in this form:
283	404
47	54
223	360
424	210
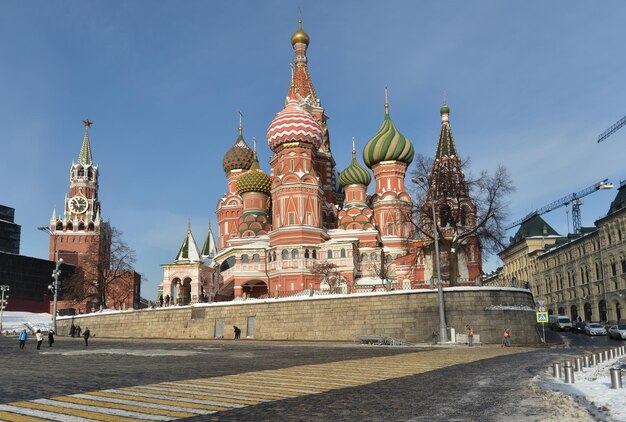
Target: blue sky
529	87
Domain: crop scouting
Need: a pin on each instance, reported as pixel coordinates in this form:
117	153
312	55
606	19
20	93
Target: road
249	380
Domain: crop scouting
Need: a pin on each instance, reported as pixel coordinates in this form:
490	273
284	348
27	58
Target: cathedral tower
236	161
356	214
254	188
388	154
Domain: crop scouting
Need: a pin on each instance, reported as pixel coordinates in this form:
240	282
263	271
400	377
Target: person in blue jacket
23	337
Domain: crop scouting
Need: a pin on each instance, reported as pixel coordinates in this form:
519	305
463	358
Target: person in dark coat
167	300
78	330
237	332
73	330
51	334
86	336
161	301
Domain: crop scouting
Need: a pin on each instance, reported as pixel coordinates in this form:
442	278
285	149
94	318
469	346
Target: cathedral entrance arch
185	292
254	288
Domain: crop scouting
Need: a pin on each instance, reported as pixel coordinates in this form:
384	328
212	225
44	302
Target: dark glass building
9	231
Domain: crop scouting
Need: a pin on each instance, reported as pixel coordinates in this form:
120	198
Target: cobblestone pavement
167	380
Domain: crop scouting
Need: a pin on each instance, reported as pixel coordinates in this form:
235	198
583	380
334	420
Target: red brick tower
295	137
302	88
79	230
237	160
388	154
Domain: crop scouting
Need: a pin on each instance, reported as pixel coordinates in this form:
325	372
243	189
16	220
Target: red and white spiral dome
294	124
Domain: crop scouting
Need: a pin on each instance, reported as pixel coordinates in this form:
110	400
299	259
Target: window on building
623	265
388	259
294	254
284	254
390	229
292	218
329	254
244	259
306	253
256	258
314	254
364	257
613	268
342	253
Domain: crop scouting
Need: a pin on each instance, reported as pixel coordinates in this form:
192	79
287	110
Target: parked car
578	327
559	322
595	329
618	331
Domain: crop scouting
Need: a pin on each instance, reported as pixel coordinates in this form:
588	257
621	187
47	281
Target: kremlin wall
410	316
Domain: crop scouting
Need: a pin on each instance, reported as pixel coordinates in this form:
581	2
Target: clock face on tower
77	204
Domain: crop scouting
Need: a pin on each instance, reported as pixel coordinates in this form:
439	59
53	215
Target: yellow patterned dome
300	35
254	180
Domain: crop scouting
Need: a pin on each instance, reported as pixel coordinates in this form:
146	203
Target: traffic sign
542	317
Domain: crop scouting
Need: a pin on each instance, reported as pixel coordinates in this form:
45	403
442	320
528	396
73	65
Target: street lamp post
443	330
54	288
3	288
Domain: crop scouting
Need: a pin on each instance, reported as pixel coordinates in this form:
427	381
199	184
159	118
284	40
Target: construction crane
573	198
610	131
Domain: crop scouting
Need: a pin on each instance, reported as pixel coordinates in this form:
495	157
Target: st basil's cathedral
274	227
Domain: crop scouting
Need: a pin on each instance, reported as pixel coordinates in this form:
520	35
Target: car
559	322
617	331
578	327
595	329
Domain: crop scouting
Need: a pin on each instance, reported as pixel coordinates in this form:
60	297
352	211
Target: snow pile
592	390
14	322
509	308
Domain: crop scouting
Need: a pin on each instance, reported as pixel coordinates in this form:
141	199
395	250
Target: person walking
161	301
237	332
73	330
470	335
86	336
167	300
78	330
507	337
39	339
51	334
22	338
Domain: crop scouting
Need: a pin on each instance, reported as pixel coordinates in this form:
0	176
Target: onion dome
254	180
293	124
239	157
444	109
388	144
355	174
300	36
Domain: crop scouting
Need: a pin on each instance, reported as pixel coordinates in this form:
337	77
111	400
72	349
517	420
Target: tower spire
386	103
84	156
353	149
240	123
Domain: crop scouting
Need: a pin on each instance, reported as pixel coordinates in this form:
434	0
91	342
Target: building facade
579	276
275	227
80	236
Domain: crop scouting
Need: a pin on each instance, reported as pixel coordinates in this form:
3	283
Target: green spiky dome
355	174
254	180
444	109
388	144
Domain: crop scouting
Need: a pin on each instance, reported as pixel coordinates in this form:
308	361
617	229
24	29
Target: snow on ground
13	322
592	390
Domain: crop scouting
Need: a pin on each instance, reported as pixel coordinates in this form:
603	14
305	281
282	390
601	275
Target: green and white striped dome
388	144
355	174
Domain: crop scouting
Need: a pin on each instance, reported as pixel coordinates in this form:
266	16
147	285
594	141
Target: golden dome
300	35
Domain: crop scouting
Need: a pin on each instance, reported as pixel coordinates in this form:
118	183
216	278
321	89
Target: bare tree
328	273
488	192
105	274
382	269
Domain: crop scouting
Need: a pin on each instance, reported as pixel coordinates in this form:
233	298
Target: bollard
578	364
616	378
606	355
599	357
612	354
594	360
556	370
586	361
569	372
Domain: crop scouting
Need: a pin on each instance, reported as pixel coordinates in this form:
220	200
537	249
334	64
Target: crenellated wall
408	315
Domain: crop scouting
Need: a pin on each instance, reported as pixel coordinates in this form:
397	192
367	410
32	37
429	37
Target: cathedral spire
84	157
209	250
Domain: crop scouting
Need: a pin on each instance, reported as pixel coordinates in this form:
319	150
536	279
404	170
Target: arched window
244	259
89	173
284	254
390	229
314	254
256	258
388	259
329	254
306	253
59	226
81	226
364	257
294	254
274	256
81	172
373	256
464	215
342	253
269	257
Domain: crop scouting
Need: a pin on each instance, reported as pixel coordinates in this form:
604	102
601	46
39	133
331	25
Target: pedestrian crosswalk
169	401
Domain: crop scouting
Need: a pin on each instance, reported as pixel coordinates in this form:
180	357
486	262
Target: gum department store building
273	227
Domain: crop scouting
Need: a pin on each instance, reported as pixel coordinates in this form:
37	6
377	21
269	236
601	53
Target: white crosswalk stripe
105	410
43	414
174	398
142	404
